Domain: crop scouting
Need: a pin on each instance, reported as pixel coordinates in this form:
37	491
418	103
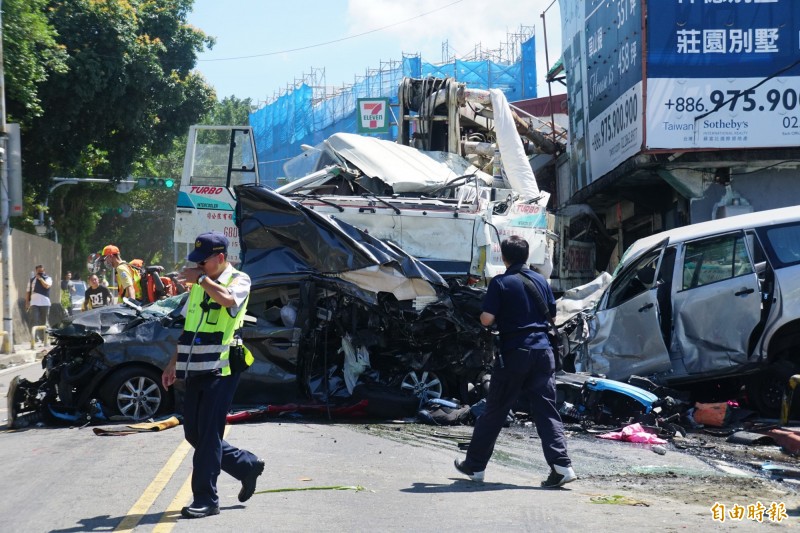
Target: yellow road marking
173	512
150	494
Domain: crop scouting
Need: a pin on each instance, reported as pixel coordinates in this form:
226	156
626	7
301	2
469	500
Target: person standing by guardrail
37	299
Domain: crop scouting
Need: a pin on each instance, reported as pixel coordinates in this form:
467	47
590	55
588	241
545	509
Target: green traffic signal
160	183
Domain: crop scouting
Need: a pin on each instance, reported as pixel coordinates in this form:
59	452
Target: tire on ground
135	392
765	389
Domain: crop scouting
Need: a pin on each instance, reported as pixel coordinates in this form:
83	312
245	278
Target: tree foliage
101	88
106	89
30	40
231	111
128	87
146	233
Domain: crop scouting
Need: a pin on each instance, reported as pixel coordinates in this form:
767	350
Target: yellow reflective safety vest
208	333
135	280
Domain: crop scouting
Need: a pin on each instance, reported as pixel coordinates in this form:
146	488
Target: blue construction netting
293	119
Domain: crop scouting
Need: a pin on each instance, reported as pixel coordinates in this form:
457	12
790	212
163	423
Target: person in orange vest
126	280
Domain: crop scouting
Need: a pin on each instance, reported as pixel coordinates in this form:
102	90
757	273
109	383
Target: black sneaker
249	481
559	475
199	511
474	476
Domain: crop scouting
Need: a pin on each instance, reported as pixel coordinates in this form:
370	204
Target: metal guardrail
34	329
6	342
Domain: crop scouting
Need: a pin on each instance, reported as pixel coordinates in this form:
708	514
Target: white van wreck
716	301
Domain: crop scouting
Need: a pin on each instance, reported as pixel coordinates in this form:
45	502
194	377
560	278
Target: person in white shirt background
37	299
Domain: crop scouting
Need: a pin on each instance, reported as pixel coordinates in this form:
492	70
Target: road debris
618	499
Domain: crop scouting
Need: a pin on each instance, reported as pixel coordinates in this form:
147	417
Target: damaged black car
105	362
335	316
353	310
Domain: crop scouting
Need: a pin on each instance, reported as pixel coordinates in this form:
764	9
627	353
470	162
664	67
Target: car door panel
713	323
627	337
628	340
718	307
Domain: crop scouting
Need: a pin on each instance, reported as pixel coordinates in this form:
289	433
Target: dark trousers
206	404
530	371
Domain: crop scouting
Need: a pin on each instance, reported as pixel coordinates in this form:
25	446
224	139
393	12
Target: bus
217	159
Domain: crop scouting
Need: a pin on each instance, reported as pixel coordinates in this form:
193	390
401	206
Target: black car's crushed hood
114	319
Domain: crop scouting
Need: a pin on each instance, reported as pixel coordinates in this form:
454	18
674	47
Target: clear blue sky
273	30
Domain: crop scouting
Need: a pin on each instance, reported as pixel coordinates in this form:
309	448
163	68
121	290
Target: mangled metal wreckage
710	308
335	315
367	313
105	362
360	309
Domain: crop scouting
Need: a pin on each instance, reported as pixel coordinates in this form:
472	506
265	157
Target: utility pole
547	66
5	218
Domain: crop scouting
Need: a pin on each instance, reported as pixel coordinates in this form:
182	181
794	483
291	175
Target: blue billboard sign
613	47
718	39
723	74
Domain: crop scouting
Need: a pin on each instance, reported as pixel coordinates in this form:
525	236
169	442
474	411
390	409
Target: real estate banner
723	74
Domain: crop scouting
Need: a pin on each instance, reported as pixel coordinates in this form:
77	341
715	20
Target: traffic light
124	210
155	183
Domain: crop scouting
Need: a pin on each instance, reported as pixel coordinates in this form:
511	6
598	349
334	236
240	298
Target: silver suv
710	301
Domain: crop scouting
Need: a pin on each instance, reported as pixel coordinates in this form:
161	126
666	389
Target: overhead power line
335	40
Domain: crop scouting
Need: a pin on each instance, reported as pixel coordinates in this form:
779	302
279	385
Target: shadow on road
111	523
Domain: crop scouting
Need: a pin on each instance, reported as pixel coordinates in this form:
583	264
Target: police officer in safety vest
210	358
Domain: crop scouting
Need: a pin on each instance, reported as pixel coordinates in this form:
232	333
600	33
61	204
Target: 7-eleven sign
372	115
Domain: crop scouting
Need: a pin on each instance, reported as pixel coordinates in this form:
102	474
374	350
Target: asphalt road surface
363	476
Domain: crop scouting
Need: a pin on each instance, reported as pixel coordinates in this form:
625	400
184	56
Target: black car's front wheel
423	384
135	392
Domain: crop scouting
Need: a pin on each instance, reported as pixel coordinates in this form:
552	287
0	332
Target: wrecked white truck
425	196
709	307
436	204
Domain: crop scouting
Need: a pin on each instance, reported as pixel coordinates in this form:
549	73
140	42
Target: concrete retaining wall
27	251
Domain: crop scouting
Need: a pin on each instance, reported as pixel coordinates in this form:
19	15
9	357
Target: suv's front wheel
423	384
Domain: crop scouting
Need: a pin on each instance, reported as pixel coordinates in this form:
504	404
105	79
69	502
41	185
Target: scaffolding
308	110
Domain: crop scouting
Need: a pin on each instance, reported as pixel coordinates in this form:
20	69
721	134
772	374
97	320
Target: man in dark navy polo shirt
527	364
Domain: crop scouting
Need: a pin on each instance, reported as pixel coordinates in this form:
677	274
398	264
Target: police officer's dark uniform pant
530	371
207	401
